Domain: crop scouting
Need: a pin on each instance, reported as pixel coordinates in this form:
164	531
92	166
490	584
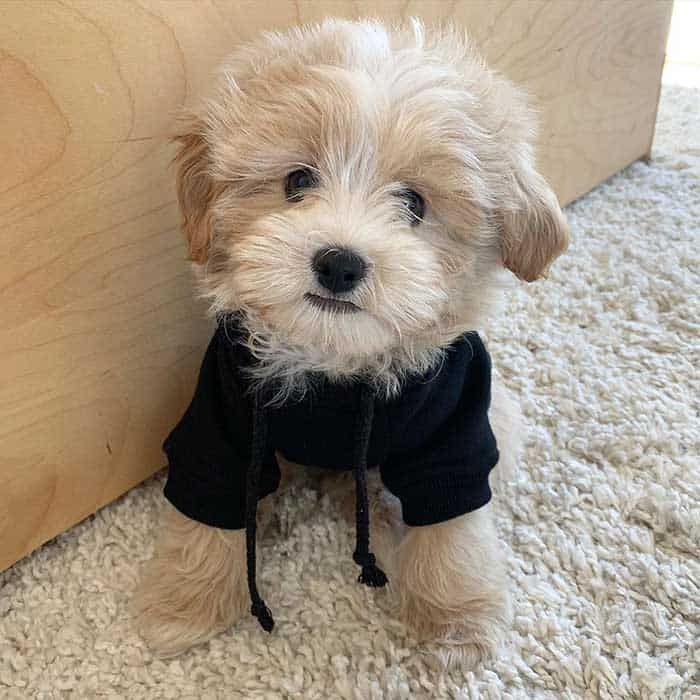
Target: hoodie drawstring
257	457
371	574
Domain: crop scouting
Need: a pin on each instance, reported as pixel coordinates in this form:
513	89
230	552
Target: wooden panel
99	334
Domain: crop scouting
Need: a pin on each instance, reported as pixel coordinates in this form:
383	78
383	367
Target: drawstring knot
371	575
262	612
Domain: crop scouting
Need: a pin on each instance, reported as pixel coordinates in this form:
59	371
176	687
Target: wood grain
100	336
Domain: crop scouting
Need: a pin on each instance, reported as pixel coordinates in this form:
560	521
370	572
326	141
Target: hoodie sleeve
209	449
444	447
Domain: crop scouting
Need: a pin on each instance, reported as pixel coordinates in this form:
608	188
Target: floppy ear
534	231
195	191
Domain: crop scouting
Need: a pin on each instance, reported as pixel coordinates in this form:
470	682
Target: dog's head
354	190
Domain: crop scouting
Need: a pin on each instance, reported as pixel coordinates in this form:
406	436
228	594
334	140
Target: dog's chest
322	429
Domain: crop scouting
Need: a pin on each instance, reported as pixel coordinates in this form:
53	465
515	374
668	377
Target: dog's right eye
297	181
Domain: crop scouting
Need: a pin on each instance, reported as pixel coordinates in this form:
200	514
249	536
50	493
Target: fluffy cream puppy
400	145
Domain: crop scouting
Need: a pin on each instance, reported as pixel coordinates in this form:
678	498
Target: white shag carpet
602	524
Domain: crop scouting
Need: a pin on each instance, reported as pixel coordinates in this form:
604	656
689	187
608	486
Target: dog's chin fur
373	112
288	370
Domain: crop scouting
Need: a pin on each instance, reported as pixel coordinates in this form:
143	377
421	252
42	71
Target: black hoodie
432	443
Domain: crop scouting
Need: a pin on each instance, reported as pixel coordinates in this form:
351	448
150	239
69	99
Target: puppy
351	194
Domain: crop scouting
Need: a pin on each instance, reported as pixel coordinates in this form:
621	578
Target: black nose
338	269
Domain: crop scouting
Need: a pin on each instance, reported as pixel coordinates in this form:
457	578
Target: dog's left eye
414	203
297	181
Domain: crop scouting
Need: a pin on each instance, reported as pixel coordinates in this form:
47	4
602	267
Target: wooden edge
646	156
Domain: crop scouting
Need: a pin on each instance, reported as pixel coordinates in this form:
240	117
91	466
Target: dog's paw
465	644
461	638
173	614
167	631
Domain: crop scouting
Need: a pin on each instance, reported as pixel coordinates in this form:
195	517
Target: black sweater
432	443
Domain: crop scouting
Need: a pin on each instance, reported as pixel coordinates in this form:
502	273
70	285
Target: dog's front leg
193	588
453	587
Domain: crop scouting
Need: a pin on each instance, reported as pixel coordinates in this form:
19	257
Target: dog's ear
533	231
195	190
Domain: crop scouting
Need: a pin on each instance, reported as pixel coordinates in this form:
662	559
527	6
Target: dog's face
355	190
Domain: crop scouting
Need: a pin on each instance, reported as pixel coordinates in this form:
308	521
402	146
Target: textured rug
602	522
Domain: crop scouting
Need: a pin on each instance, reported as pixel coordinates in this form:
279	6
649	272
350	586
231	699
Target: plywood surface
99	334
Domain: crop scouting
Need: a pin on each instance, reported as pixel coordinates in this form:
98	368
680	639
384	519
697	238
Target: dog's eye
297	181
414	204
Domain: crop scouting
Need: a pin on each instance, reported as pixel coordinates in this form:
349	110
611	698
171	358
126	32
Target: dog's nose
338	269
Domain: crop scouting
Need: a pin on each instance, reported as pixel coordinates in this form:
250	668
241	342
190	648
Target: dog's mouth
334	305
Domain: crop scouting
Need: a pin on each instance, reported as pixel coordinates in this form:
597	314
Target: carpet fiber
602	522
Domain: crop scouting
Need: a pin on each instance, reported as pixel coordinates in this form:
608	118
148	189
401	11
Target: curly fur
371	110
